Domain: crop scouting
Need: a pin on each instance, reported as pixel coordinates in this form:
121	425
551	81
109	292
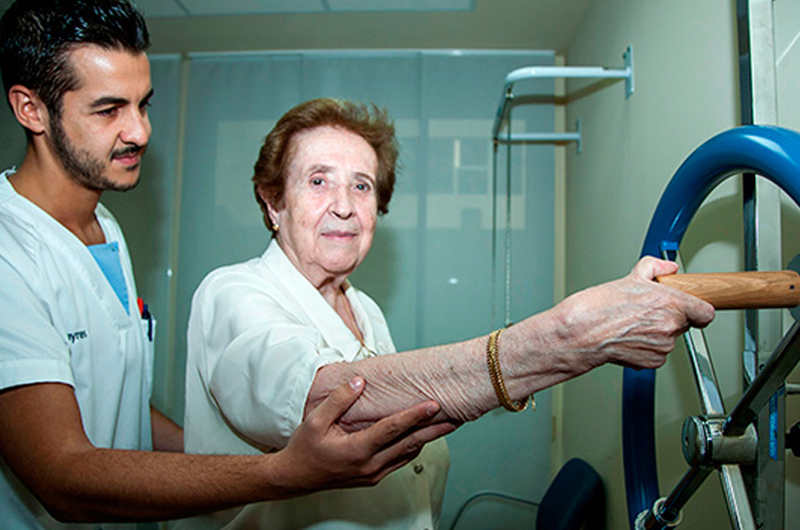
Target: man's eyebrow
116	101
107	101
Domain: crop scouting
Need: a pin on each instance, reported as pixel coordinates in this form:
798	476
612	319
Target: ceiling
183	8
197	8
182	26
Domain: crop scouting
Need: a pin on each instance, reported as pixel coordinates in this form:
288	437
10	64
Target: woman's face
330	203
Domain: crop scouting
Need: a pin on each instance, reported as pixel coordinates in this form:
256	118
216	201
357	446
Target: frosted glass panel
146	214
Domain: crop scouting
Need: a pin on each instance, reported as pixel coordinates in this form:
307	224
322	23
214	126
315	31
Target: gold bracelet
497	377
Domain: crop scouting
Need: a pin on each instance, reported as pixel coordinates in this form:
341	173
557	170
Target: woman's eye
362	186
317	181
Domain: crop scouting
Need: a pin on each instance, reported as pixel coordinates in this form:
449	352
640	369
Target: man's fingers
393	428
338	402
406	447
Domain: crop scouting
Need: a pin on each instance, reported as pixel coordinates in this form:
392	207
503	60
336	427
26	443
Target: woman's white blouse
258	333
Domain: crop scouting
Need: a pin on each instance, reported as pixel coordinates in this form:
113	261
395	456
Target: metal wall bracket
565	72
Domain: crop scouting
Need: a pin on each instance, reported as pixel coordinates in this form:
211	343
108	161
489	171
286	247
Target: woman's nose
342	206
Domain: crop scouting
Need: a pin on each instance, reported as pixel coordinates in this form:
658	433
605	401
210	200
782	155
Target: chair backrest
574	500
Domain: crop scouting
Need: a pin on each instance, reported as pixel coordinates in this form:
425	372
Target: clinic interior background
471	240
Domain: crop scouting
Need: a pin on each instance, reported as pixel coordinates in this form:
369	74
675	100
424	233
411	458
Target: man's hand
322	455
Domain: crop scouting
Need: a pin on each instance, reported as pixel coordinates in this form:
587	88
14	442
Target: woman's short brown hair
371	123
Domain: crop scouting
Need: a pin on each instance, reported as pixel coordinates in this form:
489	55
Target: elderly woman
271	337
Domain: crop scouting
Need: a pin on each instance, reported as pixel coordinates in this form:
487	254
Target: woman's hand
632	321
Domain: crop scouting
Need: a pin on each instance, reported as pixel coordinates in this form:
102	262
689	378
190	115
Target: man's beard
82	167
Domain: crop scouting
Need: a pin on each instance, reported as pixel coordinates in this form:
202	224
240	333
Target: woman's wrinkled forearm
398	381
630	322
455	375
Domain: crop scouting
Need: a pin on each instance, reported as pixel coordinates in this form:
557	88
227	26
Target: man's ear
29	110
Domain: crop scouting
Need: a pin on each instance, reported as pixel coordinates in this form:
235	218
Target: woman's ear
29	110
274	217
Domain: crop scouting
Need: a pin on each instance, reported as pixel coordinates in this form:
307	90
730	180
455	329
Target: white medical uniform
62	322
258	333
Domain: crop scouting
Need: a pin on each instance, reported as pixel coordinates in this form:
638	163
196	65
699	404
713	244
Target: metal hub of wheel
728	443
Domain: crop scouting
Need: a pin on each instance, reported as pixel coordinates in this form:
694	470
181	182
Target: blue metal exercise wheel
771	152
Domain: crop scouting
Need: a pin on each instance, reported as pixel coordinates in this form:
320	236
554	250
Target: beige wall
686	91
787	52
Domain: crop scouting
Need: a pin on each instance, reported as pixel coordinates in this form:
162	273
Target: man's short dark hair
36	37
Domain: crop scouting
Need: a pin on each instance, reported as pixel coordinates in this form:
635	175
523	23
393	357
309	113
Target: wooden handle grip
740	290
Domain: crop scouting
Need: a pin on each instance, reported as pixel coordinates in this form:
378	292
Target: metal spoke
736	496
705	377
667	512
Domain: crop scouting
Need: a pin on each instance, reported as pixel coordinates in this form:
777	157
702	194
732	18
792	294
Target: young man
78	438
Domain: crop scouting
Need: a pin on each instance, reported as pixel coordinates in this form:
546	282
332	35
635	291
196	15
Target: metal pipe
584	72
541	138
